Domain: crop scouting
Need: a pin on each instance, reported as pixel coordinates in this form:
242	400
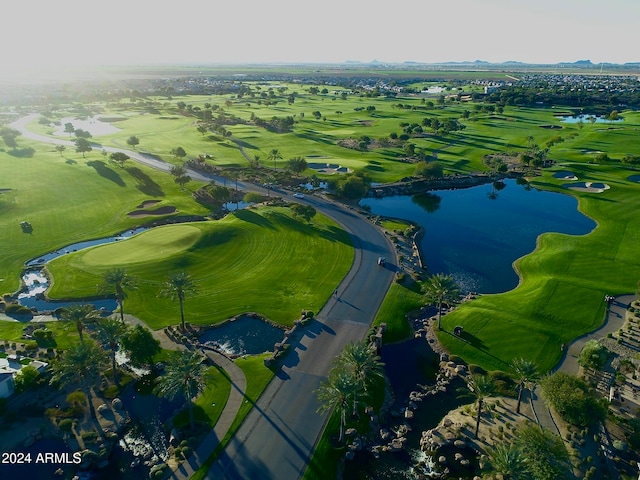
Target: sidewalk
231	408
238	388
569	362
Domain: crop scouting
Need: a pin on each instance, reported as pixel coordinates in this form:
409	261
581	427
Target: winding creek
35	282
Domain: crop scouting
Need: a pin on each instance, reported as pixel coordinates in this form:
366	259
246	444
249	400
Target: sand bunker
328	168
151	213
565	175
148	203
592	187
632	178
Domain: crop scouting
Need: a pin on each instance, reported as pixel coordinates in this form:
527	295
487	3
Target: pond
587	119
245	335
408	364
476	234
74	247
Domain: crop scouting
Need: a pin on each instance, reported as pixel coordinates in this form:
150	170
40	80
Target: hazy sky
86	32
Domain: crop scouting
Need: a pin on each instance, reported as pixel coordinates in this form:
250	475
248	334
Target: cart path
614	320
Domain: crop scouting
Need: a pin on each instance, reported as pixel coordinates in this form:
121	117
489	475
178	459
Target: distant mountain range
578	63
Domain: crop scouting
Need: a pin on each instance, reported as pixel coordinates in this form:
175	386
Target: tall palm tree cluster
350	382
83	363
178	286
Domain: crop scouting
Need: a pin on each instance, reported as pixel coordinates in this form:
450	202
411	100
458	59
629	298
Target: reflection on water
588	119
408	364
244	336
475	234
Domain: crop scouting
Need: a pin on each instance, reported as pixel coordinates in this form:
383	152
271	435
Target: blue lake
476	234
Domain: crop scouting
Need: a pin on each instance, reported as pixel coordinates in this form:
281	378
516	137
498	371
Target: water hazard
245	335
476	234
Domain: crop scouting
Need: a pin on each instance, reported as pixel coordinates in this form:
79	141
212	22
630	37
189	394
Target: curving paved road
278	436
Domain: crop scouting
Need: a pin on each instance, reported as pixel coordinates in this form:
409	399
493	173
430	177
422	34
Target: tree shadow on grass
245	144
475	342
331	233
105	172
145	183
252	217
26	152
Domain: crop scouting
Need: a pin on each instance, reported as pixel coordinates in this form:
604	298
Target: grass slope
258	260
68	199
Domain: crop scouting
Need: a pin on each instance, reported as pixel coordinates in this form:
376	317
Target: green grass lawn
68	199
209	405
563	283
256	260
399	300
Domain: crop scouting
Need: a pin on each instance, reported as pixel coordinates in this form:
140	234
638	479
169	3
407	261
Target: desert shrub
90	436
16	309
620	445
111	392
66	424
574	400
76	397
26	378
504	384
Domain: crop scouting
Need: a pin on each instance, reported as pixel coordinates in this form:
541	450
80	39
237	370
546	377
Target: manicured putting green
257	260
148	246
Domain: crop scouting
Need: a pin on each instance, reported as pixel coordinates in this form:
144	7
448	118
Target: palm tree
275	155
185	375
337	392
440	288
526	374
360	359
81	365
109	332
480	387
120	281
179	286
80	315
508	460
